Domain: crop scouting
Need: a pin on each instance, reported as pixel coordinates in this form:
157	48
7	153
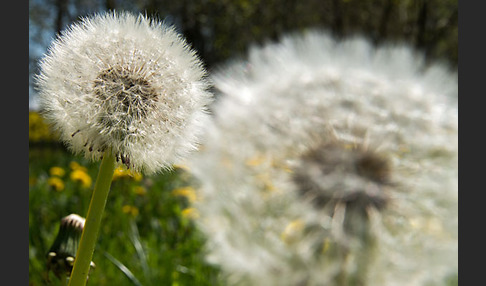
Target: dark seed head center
315	176
126	92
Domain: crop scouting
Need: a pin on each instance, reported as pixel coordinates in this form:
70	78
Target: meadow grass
147	235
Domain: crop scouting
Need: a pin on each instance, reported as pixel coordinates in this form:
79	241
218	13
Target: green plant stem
89	236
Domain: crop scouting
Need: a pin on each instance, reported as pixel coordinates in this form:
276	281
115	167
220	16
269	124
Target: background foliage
224	29
147	226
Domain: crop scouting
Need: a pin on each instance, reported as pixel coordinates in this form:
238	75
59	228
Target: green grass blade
123	269
135	238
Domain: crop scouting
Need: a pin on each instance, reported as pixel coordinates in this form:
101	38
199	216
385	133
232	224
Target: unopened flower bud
61	255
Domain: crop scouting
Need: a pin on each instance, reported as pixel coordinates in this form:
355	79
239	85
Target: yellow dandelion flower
57	171
34	117
126	209
81	177
139	190
181	166
38	130
131	210
266	181
122	172
325	245
187	192
56	183
136	176
32	181
256	161
292	231
76	166
190	213
119	173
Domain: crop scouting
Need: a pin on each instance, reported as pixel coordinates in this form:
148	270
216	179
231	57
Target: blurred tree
222	29
61	7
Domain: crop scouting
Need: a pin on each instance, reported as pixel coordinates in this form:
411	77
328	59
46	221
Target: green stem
89	236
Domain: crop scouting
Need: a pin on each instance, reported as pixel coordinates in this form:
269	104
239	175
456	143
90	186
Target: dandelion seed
359	146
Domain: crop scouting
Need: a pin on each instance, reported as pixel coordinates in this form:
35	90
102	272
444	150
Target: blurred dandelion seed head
127	83
332	173
331	162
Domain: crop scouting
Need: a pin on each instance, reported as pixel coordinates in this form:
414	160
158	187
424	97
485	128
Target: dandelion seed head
128	83
331	160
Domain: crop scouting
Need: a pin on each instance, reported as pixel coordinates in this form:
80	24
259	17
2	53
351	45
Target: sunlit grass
147	236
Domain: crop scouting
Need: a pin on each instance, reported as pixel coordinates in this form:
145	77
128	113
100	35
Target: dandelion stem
89	236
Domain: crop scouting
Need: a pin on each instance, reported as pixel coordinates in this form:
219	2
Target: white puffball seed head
127	83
